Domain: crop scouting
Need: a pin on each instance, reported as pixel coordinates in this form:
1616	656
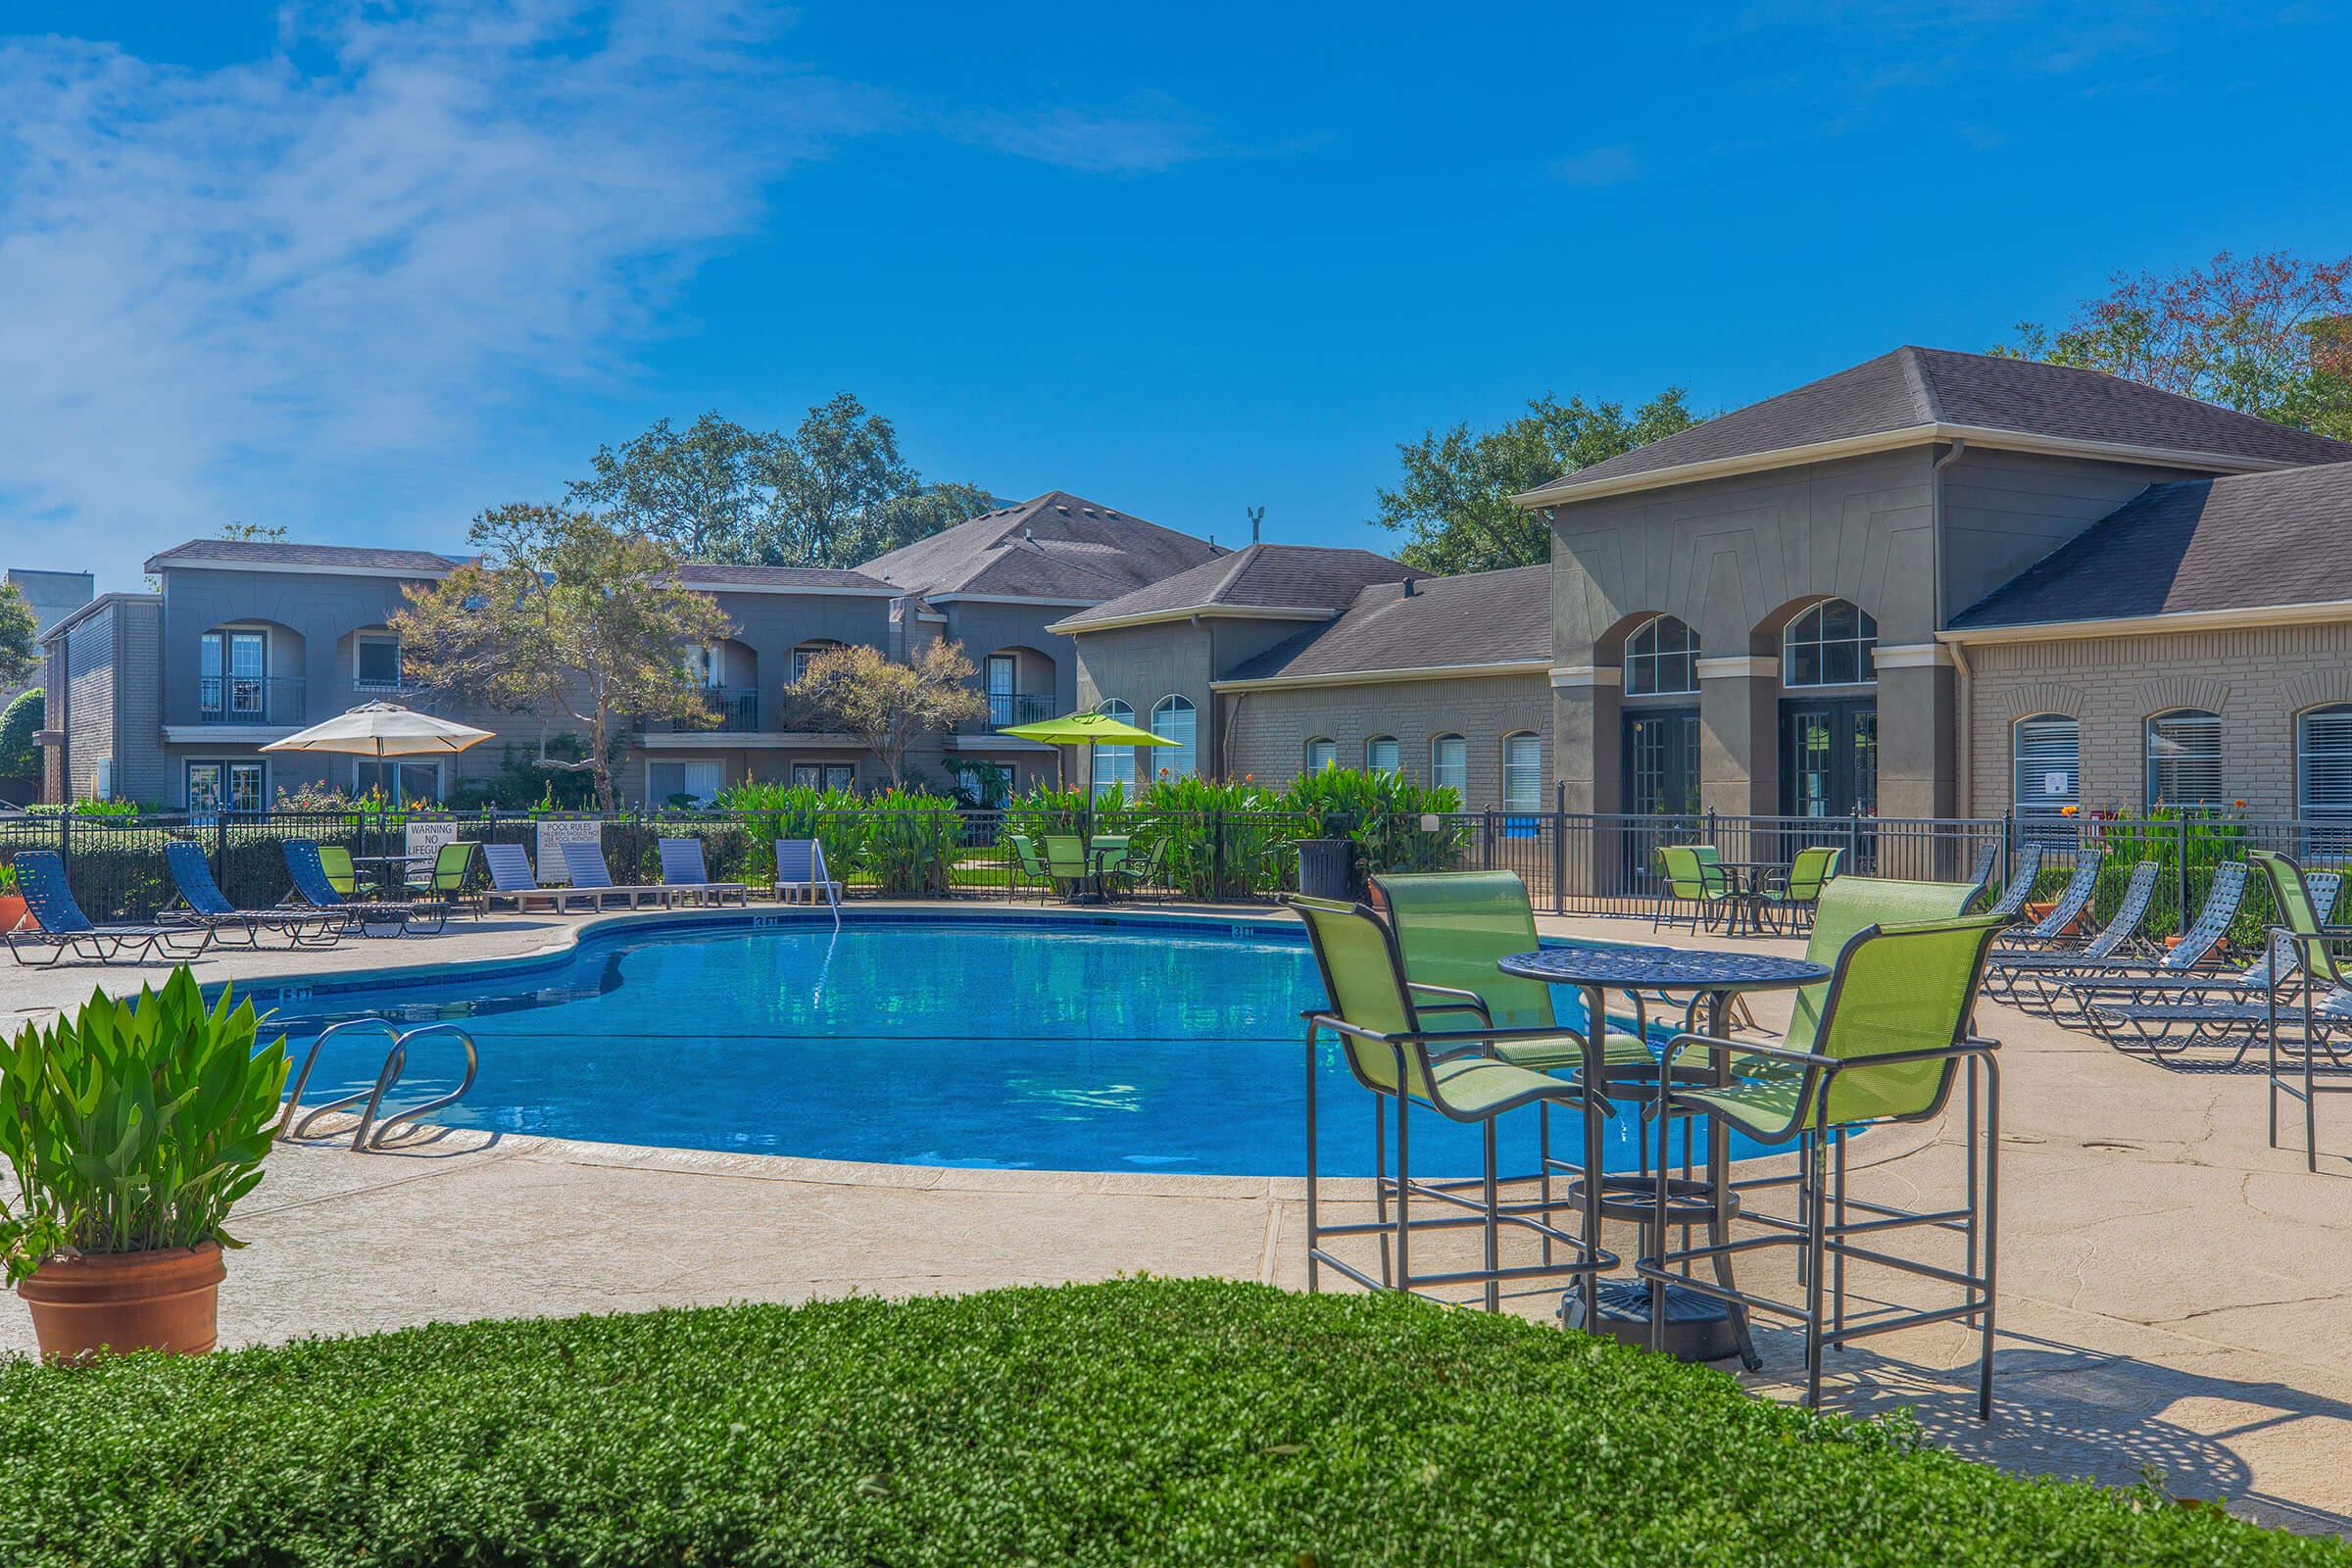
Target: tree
700	493
20	758
269	532
1456	499
888	705
564	613
20	635
903	520
2268	335
839	466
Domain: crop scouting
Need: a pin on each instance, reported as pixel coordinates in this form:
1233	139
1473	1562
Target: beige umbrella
380	730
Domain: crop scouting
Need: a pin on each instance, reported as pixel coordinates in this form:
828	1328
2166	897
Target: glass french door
1830	757
1661	786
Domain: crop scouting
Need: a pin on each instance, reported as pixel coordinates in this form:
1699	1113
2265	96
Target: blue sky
362	270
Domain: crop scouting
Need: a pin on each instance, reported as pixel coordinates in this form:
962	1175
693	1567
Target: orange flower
2238	805
2070	810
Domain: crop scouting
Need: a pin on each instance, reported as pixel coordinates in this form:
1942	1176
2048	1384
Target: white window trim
1649	627
1503	754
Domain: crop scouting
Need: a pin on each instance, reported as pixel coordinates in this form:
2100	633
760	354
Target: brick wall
90	700
2256	678
1269	729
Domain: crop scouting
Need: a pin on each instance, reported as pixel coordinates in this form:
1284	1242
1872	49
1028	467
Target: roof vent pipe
1409	589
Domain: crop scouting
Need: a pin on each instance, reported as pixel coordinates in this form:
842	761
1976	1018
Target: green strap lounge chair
334	861
1886	1043
1695	890
2325	989
446	883
1428	1049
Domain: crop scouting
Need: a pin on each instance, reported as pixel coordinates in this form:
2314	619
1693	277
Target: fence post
220	847
1216	853
2008	869
2181	916
1486	841
1559	847
65	838
1853	839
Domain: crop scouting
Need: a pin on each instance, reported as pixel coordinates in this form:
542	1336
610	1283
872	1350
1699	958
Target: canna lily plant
134	1125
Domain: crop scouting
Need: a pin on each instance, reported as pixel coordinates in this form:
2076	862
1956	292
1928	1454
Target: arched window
1113	765
1322	752
2323	769
1173	718
2049	764
1661	656
1450	765
1523	772
1833	644
2184	758
1381	754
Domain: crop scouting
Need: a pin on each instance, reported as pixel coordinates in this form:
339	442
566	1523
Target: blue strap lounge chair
800	868
512	881
2024	977
2020	886
202	904
2051	931
370	918
687	877
65	931
585	864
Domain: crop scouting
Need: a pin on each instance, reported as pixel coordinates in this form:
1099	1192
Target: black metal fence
1571	863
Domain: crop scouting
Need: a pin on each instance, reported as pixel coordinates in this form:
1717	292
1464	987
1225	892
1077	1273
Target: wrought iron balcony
1007	708
272	699
733	711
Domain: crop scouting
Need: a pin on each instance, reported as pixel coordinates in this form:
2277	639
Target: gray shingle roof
1916	386
2234	543
1482	618
708	573
1057	545
268	552
1261	576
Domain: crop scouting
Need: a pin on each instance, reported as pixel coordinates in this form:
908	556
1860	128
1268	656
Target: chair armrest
1460	1001
1718	1046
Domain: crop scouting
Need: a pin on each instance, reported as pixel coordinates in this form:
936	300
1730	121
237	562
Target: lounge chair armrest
1718	1046
1457	1000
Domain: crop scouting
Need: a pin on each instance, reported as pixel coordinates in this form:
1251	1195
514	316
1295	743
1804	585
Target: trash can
1327	868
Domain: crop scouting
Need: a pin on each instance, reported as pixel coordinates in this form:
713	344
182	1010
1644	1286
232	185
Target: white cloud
1597	165
229	293
1147	138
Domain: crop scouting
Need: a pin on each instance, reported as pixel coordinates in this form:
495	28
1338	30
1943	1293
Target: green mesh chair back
1026	854
1452	926
1065	856
1109	850
451	861
1851	905
335	862
2292	907
1365	981
1811	869
1685	873
1897	988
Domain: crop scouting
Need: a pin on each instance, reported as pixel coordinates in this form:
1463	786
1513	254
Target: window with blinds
2324	764
2049	766
1174	718
1522	773
1450	765
1322	754
1380	755
2185	759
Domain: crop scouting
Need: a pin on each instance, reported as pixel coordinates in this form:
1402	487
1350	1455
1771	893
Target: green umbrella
1085	730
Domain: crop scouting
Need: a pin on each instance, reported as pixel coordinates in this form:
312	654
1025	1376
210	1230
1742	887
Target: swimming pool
1127	1044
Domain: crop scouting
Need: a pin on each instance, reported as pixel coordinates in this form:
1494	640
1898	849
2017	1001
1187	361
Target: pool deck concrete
2176	1297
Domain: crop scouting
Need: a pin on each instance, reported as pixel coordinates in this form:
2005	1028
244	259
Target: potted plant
11	902
132	1129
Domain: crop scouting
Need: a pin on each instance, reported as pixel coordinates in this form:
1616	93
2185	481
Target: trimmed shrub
18	757
1139	1422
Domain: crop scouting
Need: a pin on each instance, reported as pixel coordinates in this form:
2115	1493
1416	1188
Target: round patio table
1697	1327
1748	892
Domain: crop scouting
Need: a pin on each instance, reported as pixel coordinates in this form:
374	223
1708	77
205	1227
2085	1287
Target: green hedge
1144	1422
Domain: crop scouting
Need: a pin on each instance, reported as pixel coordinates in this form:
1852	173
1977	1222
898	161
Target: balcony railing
732	712
249	700
1007	708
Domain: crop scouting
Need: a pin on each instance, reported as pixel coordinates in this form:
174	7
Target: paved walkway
2174	1293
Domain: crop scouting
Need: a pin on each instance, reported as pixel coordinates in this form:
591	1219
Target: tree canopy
2269	334
1455	497
886	703
832	493
566	614
20	758
20	635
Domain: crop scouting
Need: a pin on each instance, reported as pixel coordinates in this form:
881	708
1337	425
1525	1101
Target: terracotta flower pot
2039	911
2170	942
12	911
165	1300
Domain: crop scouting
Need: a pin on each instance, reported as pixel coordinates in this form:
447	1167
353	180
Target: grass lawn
1141	1422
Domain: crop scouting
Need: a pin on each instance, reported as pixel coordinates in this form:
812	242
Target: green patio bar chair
1453	927
1886	1043
1426	1048
1132	873
1694	889
2323	993
453	863
1789	896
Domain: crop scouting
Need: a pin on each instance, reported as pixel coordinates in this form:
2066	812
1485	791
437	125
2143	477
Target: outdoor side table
1697	1327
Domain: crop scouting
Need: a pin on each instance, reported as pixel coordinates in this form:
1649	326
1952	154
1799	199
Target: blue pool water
1118	1045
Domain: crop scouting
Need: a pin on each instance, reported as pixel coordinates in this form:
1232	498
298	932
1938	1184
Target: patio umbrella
1084	729
380	730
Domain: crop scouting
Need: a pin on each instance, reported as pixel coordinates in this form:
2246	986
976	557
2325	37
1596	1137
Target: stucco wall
2257	679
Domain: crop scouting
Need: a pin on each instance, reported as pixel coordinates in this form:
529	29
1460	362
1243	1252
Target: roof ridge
1922	388
1246	555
